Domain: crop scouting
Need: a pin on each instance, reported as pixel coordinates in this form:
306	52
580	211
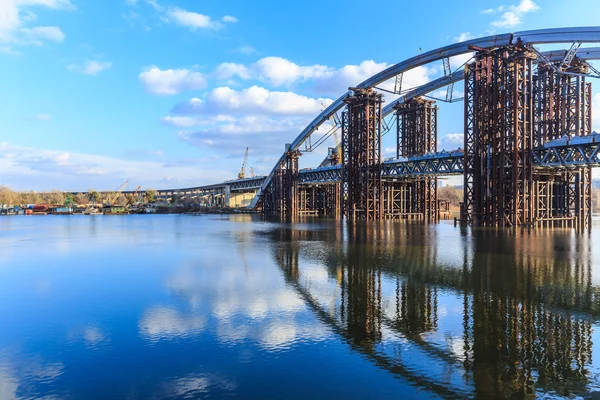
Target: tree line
56	197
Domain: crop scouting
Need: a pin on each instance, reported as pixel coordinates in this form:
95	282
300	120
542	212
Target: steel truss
245	184
416	137
498	137
562	103
362	186
282	197
513	121
319	200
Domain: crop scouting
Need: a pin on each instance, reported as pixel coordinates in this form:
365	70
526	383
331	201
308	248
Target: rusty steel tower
362	186
510	109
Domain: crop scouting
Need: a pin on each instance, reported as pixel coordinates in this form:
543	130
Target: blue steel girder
433	166
542	36
246	184
321	175
567	156
445	164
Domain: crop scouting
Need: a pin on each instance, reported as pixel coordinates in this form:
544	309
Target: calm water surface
159	307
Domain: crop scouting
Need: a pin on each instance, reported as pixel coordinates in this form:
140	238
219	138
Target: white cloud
188	122
15	13
229	19
337	81
193	20
35	168
253	100
464	36
43	117
264	133
171	81
451	141
90	67
179	122
279	71
39	33
275	70
228	70
246	49
154	4
511	16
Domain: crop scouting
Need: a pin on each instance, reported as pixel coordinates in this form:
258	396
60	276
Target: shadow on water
525	302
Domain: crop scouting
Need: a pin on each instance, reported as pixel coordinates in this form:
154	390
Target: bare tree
82	198
7	196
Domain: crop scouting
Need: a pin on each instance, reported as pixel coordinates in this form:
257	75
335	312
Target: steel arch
540	36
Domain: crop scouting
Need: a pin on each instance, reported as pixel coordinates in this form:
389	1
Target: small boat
92	211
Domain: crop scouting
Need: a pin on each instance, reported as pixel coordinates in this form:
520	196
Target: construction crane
131	199
242	173
111	198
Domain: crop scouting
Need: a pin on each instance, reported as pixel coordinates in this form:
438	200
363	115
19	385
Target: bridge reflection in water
501	313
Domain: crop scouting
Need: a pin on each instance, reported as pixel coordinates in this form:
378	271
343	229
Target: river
180	306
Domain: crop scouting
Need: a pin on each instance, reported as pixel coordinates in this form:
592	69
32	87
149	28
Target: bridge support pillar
362	187
416	136
282	198
498	177
508	112
322	199
291	198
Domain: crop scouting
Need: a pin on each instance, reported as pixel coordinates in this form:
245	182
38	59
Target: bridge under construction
528	152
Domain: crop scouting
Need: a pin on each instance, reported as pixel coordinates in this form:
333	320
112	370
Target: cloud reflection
244	301
8	384
194	386
167	323
17	381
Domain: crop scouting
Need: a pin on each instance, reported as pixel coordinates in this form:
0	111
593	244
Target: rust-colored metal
282	198
509	110
414	198
514	107
498	138
362	186
321	199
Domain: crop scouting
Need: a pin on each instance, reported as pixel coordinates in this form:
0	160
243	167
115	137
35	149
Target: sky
169	93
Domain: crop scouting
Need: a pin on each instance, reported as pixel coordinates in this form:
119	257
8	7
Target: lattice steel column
417	136
362	192
469	209
290	185
499	138
563	111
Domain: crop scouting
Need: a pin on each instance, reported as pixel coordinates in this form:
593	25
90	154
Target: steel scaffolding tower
510	110
282	198
362	187
416	136
498	137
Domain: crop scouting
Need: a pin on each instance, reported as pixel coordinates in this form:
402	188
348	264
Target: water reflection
182	306
485	313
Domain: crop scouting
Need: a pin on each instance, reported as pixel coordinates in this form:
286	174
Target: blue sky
168	93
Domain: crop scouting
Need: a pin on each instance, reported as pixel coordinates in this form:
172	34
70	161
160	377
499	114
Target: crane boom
131	199
242	173
111	199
